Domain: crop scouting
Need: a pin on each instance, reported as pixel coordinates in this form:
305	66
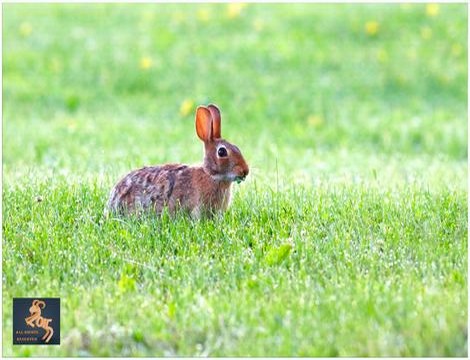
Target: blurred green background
315	89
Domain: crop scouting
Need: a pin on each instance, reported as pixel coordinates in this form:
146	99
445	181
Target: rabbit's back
150	188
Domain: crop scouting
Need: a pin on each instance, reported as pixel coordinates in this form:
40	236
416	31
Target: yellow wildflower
235	9
432	10
315	120
145	63
371	28
203	15
25	29
148	16
186	107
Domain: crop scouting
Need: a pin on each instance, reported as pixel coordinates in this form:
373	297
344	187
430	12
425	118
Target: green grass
349	237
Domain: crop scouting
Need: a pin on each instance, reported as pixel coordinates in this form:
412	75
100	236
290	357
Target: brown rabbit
197	189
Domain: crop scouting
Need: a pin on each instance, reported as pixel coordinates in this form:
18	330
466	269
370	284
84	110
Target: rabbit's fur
196	189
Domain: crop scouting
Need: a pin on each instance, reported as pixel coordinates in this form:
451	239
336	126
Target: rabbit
198	190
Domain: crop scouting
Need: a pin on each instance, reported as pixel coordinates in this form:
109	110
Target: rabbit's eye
221	152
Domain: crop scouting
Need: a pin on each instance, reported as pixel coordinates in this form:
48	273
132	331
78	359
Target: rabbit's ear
216	121
204	123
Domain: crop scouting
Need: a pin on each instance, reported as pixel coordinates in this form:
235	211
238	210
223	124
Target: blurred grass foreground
349	237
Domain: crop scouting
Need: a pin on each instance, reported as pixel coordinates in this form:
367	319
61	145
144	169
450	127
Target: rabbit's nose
245	172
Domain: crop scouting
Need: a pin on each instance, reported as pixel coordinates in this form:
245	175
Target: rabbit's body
176	186
196	189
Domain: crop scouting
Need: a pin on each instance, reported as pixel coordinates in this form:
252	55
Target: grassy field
349	237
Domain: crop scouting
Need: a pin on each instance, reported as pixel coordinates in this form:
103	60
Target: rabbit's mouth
229	177
239	179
